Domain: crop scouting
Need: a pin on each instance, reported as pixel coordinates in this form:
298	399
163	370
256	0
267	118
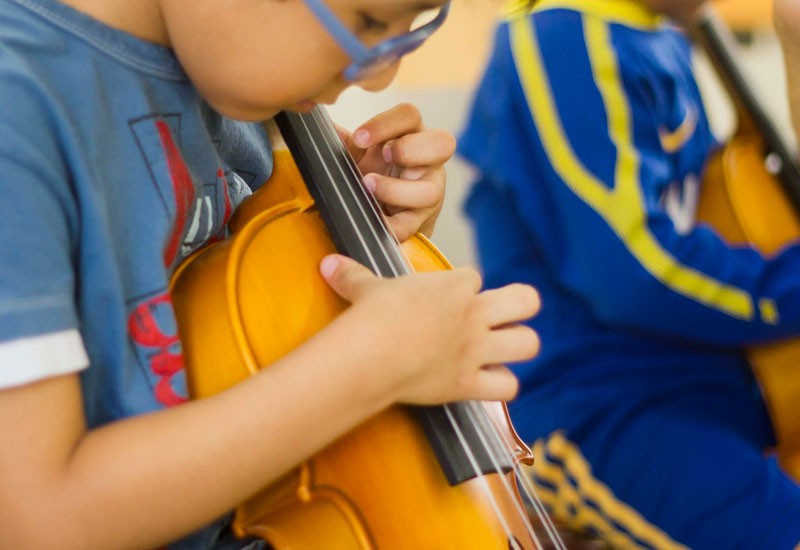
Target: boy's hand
403	166
434	337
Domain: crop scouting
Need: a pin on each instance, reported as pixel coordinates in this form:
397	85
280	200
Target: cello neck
717	41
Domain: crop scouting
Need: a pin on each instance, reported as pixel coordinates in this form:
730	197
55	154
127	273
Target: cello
751	195
411	477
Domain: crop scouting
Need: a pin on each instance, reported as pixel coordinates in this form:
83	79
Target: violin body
747	205
380	485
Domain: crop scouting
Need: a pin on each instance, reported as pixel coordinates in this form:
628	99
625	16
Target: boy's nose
380	80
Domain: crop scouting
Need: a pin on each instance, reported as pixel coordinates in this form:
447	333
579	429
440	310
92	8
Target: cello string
320	118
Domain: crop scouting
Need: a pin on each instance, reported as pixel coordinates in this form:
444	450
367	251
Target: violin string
356	176
324	124
372	203
525	479
321	119
485	482
338	191
481	415
539	508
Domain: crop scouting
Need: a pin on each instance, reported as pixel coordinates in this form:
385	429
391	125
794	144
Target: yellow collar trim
627	12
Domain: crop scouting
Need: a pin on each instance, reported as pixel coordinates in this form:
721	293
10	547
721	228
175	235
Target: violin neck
457	432
719	44
351	214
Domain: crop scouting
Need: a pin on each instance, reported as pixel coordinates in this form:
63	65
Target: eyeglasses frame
365	60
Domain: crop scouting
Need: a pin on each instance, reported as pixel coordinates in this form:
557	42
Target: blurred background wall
440	77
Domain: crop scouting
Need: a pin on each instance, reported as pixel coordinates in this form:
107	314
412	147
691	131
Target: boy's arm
144	481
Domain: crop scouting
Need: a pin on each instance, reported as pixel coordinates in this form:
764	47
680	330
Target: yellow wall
455	55
745	14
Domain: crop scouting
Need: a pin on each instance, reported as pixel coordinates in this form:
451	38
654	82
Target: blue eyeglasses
368	62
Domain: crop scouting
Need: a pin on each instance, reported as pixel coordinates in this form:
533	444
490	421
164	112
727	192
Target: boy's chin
302	106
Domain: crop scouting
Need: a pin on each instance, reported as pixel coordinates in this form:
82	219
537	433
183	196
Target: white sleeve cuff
34	358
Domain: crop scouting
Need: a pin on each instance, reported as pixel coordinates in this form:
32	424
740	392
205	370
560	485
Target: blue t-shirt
113	171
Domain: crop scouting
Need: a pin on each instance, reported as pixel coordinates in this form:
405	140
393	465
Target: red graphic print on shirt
183	189
191	211
165	357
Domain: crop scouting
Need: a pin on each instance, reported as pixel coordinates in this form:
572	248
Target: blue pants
653	461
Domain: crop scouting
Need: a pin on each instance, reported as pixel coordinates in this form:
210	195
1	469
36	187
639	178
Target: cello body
380	485
751	196
747	205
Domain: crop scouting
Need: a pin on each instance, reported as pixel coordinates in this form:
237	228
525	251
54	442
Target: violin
444	476
751	195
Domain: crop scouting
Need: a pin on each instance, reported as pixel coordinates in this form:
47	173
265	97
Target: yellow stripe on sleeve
622	207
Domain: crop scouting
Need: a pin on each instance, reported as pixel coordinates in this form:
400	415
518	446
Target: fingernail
386	153
328	265
361	137
370	183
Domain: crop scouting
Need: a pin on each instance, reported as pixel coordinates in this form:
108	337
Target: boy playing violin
130	134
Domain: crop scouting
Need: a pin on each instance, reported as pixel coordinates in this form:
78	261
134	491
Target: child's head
680	10
253	58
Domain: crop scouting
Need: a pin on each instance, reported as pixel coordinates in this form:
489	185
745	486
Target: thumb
345	276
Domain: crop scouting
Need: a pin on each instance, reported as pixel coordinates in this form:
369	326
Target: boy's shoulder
47	37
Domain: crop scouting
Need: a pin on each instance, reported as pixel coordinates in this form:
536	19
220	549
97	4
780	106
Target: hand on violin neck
403	163
411	202
430	338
